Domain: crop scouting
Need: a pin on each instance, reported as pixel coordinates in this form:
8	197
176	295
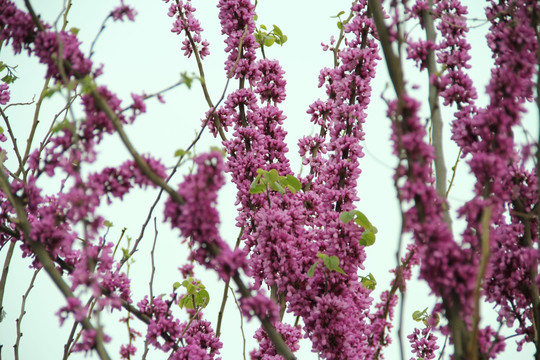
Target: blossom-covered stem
452	305
397	283
436	118
141	163
44	258
22	313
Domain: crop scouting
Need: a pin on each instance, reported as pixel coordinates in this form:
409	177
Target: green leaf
273	175
180	152
419	315
187	301
1	130
108	224
338	15
74	30
263	27
294	182
331	263
269	40
257	189
176	285
202	298
369	281
277	31
9	79
347	216
311	270
363	221
340	25
276	186
368	238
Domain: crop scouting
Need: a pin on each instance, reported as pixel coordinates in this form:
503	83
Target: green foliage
340	22
272	180
10	77
180	153
187	79
64	124
369	281
196	295
368	236
423	316
268	38
88	84
330	262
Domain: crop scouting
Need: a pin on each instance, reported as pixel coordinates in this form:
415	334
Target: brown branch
436	117
21	315
473	349
5	269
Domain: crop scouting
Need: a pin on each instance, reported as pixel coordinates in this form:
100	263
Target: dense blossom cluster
424	343
186	22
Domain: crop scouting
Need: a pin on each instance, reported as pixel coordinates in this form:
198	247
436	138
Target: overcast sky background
145	57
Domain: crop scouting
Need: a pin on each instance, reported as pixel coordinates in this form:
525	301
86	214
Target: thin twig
5	269
21	315
241	323
224	298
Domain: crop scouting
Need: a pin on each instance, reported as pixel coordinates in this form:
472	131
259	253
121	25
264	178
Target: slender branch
12	136
454	170
23	312
485	246
436	118
241	323
5	269
392	61
153	267
35	123
224	298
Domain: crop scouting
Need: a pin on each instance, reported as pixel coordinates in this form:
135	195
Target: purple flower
123	11
4	94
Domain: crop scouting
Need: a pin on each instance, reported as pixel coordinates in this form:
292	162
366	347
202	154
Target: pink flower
4	94
123	11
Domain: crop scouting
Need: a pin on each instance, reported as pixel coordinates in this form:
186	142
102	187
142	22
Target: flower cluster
237	23
16	26
4	94
198	219
186	22
60	52
423	343
123	11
